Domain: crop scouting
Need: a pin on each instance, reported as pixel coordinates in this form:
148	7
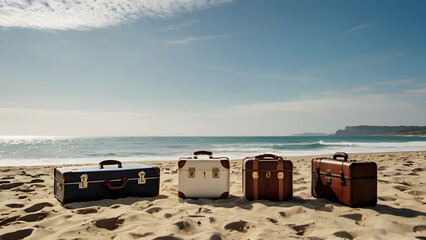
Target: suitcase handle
108	184
110	162
263	156
342	155
203	153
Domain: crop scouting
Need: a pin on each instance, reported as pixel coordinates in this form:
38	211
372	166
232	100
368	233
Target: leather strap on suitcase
280	175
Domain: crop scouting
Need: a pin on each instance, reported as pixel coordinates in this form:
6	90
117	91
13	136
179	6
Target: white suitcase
203	177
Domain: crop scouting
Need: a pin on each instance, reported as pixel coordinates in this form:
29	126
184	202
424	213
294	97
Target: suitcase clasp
328	179
280	175
255	174
268	174
142	179
83	183
215	173
342	177
191	172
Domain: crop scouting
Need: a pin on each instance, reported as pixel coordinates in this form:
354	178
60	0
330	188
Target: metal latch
255	174
191	172
215	173
268	174
83	183
328	179
280	175
342	177
142	179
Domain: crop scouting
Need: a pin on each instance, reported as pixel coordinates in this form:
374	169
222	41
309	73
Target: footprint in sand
20	234
109	223
400	188
203	210
343	234
301	229
15	205
168	215
3	182
416	193
25	190
272	220
353	216
240	226
35	217
282	214
8	177
420	228
215	236
8	220
10	185
38	207
387	198
86	211
299	189
184	226
37	181
153	210
170	237
137	235
212	219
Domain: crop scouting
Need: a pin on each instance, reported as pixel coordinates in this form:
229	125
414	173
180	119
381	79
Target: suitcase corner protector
224	195
181	194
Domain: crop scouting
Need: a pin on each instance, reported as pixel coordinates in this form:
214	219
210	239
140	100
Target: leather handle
263	156
210	154
340	155
123	185
110	162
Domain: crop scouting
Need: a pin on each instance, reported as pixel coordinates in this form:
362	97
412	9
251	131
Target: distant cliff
365	130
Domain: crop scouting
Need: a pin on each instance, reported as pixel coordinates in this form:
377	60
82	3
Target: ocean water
18	151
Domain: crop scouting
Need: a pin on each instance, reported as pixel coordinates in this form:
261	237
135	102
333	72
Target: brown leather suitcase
268	177
349	182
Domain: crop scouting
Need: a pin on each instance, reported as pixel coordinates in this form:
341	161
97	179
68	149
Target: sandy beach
28	208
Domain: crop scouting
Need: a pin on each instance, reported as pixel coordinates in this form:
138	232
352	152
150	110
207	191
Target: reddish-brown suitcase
349	182
267	177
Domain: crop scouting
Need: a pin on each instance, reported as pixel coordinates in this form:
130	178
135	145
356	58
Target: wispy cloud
365	25
181	25
88	14
193	39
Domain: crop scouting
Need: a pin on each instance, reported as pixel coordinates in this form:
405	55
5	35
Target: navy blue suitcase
110	179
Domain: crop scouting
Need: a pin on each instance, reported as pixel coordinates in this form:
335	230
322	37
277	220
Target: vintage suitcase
349	182
109	179
203	177
268	177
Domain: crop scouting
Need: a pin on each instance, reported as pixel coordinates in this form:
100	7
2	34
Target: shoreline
175	160
28	208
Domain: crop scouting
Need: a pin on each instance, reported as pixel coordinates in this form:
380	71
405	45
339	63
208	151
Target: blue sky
175	67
